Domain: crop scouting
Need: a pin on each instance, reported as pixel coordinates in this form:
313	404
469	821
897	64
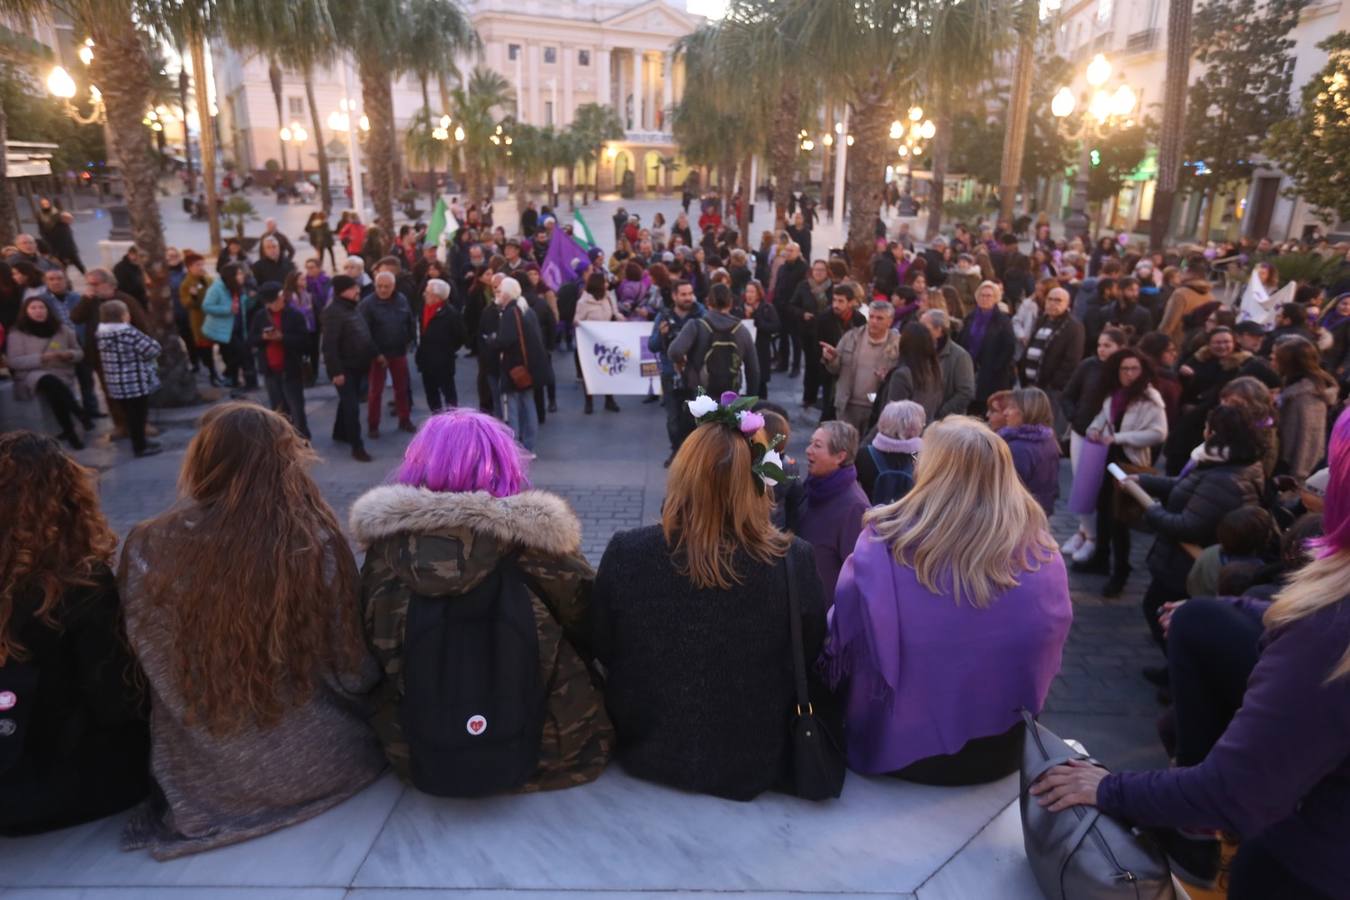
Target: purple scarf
1119	401
818	490
979	324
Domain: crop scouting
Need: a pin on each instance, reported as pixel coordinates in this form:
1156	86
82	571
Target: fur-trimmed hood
533	519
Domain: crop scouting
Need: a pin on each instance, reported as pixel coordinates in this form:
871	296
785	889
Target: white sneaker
1070	547
1085	552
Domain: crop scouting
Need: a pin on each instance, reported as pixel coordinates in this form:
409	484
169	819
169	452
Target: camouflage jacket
443	544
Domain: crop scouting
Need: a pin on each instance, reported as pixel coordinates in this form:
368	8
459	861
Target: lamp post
1106	110
344	119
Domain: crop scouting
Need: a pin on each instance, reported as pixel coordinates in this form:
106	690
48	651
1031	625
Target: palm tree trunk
321	158
1015	134
122	71
571	187
207	139
869	123
377	95
274	74
783	152
1170	137
9	210
942	154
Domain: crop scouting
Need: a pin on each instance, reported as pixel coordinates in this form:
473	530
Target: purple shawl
922	674
979	324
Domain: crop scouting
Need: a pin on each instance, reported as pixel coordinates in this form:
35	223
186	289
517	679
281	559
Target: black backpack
722	362
891	483
474	699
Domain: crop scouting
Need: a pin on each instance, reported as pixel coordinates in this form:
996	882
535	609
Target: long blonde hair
712	509
968	526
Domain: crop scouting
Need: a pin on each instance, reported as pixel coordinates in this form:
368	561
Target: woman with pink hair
1279	777
464	559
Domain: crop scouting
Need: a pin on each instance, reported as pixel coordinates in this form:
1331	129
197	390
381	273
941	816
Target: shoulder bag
520	375
817	764
1080	853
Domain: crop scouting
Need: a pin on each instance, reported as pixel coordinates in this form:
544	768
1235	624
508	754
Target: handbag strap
795	625
1079	834
520	335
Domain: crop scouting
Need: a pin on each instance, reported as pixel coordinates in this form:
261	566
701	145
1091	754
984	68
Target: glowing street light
459	133
1063	104
60	84
915	113
1098	71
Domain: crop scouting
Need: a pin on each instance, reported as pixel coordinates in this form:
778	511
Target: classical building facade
557	55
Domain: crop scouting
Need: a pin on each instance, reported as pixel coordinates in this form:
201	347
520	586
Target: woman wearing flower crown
950	615
691	618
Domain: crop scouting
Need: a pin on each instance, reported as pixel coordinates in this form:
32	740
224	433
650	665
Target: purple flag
559	266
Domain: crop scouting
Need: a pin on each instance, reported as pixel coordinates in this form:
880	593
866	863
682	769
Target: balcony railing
1142	41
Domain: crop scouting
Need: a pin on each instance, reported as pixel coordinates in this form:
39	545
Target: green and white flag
581	231
441	230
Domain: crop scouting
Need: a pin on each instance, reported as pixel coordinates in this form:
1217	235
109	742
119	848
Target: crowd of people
914	547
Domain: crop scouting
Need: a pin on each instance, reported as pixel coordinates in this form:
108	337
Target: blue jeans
520	411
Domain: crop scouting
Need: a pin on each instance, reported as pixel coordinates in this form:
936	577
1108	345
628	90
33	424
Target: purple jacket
922	674
831	518
1281	770
1035	453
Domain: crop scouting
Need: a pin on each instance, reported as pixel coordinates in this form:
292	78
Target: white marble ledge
619	838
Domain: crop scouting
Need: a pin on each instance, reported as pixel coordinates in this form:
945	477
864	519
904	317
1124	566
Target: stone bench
619	836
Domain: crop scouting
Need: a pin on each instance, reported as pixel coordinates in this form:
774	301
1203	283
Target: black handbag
817	764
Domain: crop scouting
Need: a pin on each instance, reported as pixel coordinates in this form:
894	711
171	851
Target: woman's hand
1165	614
1074	784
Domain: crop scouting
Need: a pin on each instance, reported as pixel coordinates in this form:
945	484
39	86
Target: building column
536	116
520	84
564	115
621	102
667	88
601	60
637	90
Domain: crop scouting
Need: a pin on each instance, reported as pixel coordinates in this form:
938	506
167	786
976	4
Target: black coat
82	750
1060	353
700	682
131	279
1190	512
1080	398
347	344
294	339
790	274
994	362
830	329
273	270
507	343
441	340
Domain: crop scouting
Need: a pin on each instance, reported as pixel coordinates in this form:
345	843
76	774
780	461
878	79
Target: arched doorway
623	164
652	170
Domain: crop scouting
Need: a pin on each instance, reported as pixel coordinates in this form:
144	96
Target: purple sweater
1035	453
925	674
831	518
1281	770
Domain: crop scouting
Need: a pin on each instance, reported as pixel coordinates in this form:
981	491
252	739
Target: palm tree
274	76
871	54
423	147
594	124
1170	137
710	123
474	107
952	81
376	33
1019	97
299	34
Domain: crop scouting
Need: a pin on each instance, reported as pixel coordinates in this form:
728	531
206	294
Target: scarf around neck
819	490
887	444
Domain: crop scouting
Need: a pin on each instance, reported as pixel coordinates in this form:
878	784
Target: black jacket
1079	400
294	339
75	746
1138	320
790	274
346	339
130	279
700	682
994	362
507	343
767	324
1190	512
441	340
273	270
1060	352
830	329
391	323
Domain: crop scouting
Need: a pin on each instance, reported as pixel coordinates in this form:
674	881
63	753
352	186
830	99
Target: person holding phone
280	339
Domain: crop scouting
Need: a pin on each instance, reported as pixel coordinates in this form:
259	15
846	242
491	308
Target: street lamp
1105	111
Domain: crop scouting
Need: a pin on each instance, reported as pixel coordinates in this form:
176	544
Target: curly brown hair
53	536
248	590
